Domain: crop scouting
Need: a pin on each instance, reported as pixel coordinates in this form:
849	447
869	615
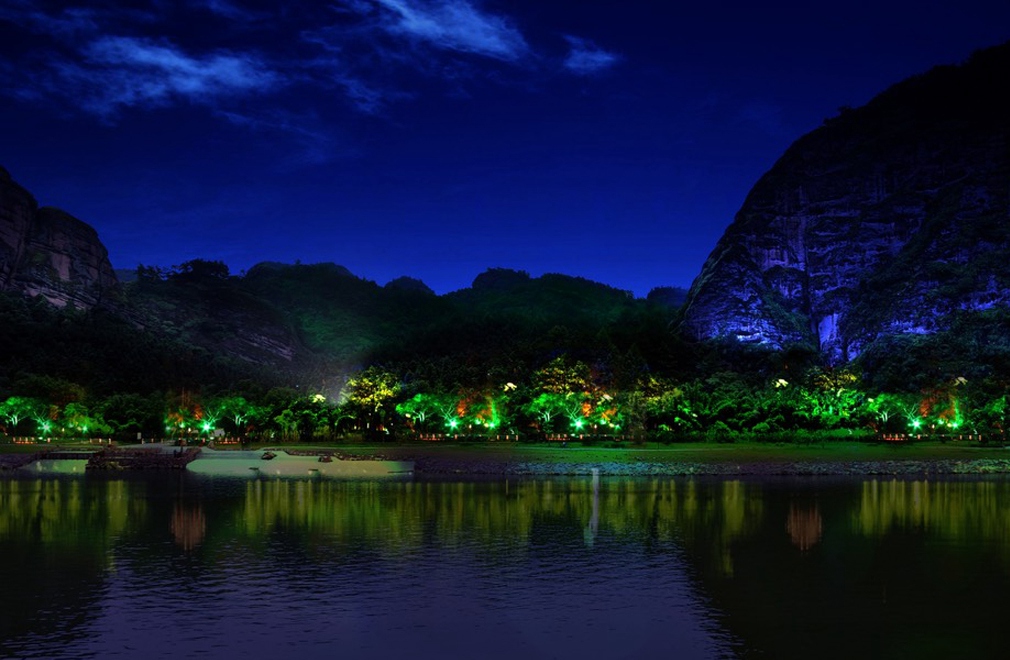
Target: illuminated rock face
886	220
46	252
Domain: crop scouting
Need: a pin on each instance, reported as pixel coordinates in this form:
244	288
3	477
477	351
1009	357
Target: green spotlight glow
916	423
453	423
578	423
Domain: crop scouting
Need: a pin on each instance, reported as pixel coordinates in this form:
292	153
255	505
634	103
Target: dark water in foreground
182	566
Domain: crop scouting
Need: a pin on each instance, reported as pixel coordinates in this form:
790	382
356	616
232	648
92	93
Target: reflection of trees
68	512
398	517
804	525
189	526
951	509
56	540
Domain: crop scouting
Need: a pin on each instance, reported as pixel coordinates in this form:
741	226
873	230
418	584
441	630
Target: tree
236	413
78	420
561	376
423	409
545	408
17	409
305	418
130	414
198	270
371	391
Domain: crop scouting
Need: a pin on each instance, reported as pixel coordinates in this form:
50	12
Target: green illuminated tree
545	408
430	412
235	414
306	419
78	420
17	409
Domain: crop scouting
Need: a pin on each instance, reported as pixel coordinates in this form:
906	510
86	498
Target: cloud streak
455	25
585	58
104	60
122	72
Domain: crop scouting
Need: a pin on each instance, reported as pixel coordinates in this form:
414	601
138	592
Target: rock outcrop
46	252
889	219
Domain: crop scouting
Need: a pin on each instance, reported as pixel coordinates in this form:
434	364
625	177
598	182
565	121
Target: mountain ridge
866	227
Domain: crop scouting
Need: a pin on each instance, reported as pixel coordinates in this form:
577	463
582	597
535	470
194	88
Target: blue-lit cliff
890	219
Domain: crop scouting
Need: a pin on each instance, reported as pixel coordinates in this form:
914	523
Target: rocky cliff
889	219
46	252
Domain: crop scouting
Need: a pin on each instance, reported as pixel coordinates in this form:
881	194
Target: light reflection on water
184	566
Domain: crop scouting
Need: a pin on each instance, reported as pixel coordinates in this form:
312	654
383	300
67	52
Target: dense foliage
518	357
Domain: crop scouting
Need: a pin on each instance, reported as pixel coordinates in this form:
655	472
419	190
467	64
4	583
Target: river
181	565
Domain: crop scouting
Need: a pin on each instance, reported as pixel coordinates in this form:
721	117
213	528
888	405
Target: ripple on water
555	587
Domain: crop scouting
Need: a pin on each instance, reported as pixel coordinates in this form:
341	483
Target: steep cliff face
17	210
46	252
888	219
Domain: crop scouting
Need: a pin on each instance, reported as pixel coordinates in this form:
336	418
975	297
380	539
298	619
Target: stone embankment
111	458
142	459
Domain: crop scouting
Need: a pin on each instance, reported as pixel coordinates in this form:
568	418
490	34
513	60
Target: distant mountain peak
411	284
887	220
49	253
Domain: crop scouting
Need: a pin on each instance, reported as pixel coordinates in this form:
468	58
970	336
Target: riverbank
833	458
921	459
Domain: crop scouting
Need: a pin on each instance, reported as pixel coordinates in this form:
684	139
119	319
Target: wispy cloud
105	59
586	58
455	25
121	72
225	9
67	22
314	141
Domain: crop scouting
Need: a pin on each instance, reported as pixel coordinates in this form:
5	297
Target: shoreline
829	459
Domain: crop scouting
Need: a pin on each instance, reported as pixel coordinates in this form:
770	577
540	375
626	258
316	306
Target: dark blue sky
609	139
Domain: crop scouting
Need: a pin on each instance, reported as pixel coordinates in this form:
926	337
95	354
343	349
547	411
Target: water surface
178	565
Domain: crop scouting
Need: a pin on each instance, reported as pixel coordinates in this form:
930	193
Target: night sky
608	139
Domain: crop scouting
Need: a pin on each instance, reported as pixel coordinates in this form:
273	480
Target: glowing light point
453	423
578	423
916	423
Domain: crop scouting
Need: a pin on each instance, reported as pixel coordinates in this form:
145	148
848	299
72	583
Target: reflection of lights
804	526
189	526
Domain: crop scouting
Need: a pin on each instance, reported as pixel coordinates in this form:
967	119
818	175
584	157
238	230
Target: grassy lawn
574	452
684	453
